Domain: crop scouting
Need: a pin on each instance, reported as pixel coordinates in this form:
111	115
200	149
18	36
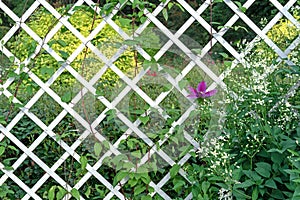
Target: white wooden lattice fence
173	38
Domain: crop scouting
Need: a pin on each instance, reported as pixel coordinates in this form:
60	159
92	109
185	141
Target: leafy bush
255	156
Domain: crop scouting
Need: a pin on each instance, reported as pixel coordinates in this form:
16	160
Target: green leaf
143	19
61	193
205	186
97	149
119	176
255	193
136	154
296	195
174	170
128	165
224	55
67	97
2	120
263	172
139	189
183	83
264	165
64	54
125	22
83	162
62	43
271	184
239	194
88	191
146	197
51	193
170	5
75	193
132	182
2	149
46	71
178	184
165	14
245	184
144	119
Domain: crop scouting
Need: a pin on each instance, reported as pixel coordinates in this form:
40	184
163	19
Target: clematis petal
193	93
209	93
201	87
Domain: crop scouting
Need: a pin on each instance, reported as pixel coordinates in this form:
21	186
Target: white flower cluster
225	194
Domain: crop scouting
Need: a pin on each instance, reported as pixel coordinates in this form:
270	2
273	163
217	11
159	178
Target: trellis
173	38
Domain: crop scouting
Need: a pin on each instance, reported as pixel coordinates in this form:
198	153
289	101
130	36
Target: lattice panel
131	85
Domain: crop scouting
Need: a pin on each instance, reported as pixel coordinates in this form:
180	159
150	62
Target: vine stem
85	52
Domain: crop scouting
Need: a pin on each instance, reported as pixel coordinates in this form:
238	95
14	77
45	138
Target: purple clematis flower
200	91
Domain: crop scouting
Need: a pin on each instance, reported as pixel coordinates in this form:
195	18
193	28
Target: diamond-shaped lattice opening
15	191
83	19
175	104
111	127
106	170
22	45
173	61
46	109
41	21
197	33
239	34
19	8
283	33
134	148
23	90
71	171
196	75
216	57
64	42
87	64
176	146
44	65
176	18
154	84
262	12
68	129
7	23
159	168
26	131
66	86
177	187
128	64
108	41
109	85
92	148
7	110
29	172
5	67
150	40
132	105
154	125
50	182
93	189
49	151
215	18
89	107
11	154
